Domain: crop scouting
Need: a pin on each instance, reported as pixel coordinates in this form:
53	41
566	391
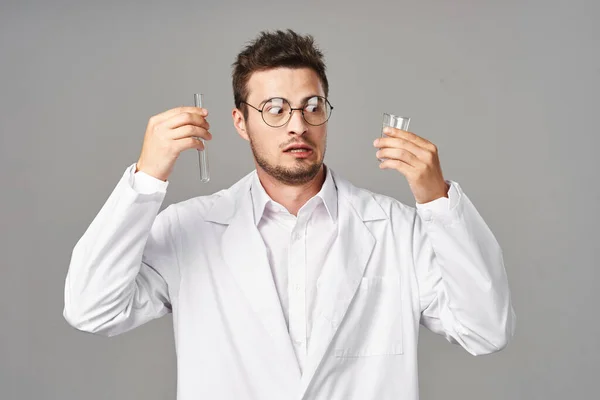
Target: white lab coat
391	269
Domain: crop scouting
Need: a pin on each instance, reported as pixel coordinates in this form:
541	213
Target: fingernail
375	142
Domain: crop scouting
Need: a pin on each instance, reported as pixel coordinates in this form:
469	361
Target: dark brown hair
273	50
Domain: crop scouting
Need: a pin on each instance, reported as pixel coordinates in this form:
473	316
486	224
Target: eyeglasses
277	111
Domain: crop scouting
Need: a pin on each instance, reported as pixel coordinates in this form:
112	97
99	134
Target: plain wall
507	90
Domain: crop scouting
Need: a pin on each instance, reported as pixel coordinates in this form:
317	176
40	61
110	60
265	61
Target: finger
401	143
400	155
188	143
398	165
159	118
185	118
187	131
398	133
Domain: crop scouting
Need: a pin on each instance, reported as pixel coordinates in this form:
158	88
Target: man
292	283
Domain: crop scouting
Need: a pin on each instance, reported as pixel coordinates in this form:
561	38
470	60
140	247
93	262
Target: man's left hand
417	159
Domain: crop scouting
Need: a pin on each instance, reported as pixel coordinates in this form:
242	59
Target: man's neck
291	197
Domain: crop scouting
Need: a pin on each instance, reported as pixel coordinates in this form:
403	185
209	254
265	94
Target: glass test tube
202	158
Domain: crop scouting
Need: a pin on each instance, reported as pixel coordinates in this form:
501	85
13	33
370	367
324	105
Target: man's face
270	145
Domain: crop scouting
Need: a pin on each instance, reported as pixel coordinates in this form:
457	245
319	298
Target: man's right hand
167	135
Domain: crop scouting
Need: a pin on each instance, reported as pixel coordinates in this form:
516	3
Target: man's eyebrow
310	96
264	101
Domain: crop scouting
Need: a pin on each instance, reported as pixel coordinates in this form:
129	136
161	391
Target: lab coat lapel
245	253
342	271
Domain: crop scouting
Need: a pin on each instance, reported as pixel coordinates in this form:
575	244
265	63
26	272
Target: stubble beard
303	172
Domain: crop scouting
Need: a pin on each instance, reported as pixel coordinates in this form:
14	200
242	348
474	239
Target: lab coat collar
227	201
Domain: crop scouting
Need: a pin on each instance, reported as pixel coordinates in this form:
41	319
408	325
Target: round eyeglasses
277	111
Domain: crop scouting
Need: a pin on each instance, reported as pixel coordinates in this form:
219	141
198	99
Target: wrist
140	168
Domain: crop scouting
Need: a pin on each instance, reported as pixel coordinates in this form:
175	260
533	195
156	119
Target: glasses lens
276	112
317	110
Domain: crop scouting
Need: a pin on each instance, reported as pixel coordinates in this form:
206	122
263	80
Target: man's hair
273	50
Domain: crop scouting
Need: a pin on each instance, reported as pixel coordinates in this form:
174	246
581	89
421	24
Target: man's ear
240	123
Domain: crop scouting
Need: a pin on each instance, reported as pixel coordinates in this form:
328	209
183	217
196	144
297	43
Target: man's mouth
297	148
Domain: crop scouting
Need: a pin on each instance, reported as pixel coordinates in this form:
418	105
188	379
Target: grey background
508	90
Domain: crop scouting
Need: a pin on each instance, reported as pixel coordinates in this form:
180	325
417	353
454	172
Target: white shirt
389	269
297	247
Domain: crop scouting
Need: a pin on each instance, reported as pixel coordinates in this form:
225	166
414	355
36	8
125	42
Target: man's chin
294	174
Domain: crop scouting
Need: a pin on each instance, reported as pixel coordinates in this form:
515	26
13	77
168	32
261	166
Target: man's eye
274	110
313	105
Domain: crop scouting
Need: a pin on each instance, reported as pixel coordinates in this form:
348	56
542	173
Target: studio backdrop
507	90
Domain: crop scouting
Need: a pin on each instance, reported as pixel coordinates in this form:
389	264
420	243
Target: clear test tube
202	158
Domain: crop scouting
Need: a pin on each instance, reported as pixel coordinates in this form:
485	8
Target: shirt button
296	236
427	214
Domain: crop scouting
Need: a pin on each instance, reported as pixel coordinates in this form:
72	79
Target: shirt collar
260	198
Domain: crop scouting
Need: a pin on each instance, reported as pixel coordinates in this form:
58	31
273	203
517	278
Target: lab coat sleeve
120	268
463	287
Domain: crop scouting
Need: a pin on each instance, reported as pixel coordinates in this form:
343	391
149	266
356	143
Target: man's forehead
291	83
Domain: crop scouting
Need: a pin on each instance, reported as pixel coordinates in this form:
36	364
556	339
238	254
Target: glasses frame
292	109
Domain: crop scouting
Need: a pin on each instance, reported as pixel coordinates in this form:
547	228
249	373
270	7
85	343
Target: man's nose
297	124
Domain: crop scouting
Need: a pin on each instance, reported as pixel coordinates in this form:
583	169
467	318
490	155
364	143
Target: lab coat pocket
373	323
